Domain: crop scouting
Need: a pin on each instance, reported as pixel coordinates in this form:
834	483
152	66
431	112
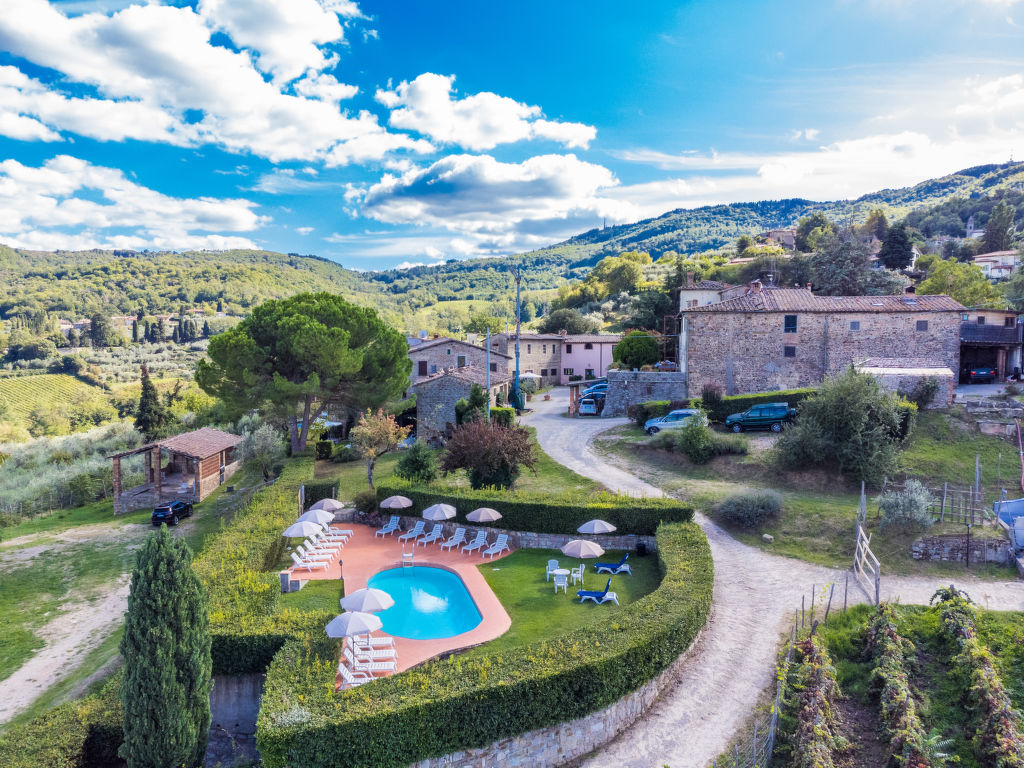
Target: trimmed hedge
641	412
505	417
543	513
459	703
78	734
318	491
739	403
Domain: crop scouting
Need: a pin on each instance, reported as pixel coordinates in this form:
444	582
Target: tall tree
300	353
999	229
964	282
811	229
897	250
568	320
636	349
165	693
101	331
135	331
841	266
150	415
261	448
876	223
374	435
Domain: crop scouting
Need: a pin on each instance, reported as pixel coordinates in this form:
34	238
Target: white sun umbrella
320	516
353	623
302	529
596	526
483	515
437	512
330	505
396	502
368	599
580	548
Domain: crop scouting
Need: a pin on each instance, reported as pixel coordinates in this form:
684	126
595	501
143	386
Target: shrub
492	454
750	509
418	464
457	703
923	391
850	423
528	386
906	509
345	453
738	403
637	349
505	417
1010	391
365	501
710	396
324	449
641	412
695	443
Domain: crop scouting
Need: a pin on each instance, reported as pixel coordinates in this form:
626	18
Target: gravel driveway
754	597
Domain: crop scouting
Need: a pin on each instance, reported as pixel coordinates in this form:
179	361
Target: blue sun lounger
613	568
598	597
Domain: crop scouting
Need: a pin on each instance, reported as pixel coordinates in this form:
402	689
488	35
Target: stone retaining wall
562	743
234	707
626	388
952	548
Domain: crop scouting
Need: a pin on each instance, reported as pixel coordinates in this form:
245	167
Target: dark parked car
980	373
171	513
766	416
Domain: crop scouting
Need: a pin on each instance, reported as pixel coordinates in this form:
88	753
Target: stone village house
435	355
555	357
788	337
436	396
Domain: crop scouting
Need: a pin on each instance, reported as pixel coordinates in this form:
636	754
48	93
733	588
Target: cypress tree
165	693
135	331
150	415
206	329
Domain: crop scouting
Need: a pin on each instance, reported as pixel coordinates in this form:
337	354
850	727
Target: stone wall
906	383
952	548
435	405
234	707
536	355
743	352
563	743
626	388
441	356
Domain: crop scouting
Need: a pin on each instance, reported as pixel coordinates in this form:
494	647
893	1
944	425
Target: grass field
20	395
537	613
818	518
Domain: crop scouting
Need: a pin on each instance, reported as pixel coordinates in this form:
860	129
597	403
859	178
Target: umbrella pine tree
165	693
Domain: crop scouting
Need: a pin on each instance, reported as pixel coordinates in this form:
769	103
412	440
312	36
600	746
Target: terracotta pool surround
366	555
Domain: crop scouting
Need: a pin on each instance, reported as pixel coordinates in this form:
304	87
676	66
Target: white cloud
285	37
38	204
304	230
481	121
284	181
152	59
493	206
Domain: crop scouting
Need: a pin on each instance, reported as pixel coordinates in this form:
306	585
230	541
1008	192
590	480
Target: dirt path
754	597
69	637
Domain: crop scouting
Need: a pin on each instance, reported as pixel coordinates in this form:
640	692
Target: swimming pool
429	603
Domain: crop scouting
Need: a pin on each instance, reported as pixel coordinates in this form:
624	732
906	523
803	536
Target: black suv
171	513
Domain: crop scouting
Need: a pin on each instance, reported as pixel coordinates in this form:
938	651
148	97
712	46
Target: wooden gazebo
188	467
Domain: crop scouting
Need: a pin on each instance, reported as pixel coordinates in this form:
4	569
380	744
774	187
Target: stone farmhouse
436	396
788	337
435	355
555	357
991	338
783	237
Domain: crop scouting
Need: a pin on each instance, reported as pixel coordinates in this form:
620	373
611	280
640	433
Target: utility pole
487	373
518	276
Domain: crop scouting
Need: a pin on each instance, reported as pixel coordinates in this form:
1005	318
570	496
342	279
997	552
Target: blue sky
389	133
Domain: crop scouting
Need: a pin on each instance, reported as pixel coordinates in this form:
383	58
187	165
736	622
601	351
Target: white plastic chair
308	565
499	546
551	568
458	539
435	535
561	580
350	679
416	532
367	666
577	573
367	653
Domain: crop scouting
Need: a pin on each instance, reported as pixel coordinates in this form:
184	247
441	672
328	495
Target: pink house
588	355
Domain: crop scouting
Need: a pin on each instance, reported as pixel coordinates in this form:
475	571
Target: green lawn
65	519
537	613
317	595
551	477
818	518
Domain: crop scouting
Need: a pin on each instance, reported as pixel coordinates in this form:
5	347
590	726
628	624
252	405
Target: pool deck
366	555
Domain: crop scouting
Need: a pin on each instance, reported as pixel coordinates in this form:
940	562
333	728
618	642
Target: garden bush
731	404
547	513
906	509
641	412
418	464
324	449
345	453
694	441
504	417
365	501
458	703
750	509
675	441
314	492
923	392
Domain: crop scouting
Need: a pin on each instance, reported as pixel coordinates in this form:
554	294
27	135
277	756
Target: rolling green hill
20	395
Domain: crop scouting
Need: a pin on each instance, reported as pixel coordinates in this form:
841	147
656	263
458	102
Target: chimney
910	290
810	286
755	286
689	280
563	333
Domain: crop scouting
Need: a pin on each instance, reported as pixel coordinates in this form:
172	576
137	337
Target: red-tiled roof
802	300
445	340
198	444
468	373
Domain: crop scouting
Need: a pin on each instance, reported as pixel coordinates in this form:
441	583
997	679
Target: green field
20	395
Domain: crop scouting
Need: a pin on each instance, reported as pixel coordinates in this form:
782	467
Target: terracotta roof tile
445	340
802	300
468	373
198	444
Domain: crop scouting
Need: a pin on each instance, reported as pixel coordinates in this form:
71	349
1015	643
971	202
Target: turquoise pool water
429	603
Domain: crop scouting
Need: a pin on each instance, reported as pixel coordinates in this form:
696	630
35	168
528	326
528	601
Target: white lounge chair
367	666
415	532
478	543
499	546
384	641
552	566
390	527
311	554
337	534
307	565
365	653
458	539
350	679
322	546
435	534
